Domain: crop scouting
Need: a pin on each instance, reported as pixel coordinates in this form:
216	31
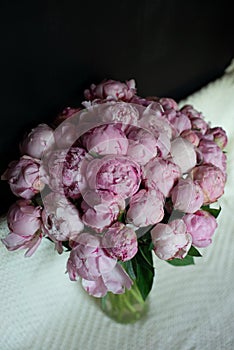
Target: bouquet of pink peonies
116	180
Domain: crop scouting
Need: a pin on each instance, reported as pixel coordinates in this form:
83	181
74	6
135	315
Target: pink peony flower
191	112
112	175
142	145
102	215
88	259
218	135
201	226
23	177
111	89
187	196
200	125
146	208
168	103
115	281
212	154
196	118
61	170
159	127
60	218
37	141
192	136
120	113
100	273
105	139
24	222
171	240
211	179
71	172
179	121
161	174
120	242
183	154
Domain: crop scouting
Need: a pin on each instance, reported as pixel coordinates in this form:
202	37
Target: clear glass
125	308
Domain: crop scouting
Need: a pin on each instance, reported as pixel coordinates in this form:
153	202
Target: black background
52	50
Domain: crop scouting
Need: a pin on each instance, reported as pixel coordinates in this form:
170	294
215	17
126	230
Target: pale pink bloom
179	121
88	259
171	240
115	281
142	145
218	135
101	215
212	154
196	118
201	226
168	103
212	181
191	136
161	174
23	177
159	126
100	273
24	222
37	141
105	139
112	175
183	154
152	118
191	112
146	208
111	89
121	113
118	113
61	170
120	242
23	218
200	125
60	218
187	196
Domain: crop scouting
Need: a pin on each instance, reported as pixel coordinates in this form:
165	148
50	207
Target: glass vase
125	308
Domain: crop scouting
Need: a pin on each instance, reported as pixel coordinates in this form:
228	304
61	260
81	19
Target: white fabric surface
190	307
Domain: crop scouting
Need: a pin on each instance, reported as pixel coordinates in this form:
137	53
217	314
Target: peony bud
37	141
171	240
201	226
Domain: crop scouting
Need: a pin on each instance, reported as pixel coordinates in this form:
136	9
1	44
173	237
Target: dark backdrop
51	50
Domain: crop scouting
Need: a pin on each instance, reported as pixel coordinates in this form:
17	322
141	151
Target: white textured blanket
191	307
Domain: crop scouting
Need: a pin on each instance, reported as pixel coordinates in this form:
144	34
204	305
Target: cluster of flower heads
109	172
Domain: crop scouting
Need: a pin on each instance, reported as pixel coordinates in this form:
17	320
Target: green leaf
188	260
194	252
37	200
142	264
127	265
212	211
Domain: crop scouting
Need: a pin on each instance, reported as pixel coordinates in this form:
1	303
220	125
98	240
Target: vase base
124	308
